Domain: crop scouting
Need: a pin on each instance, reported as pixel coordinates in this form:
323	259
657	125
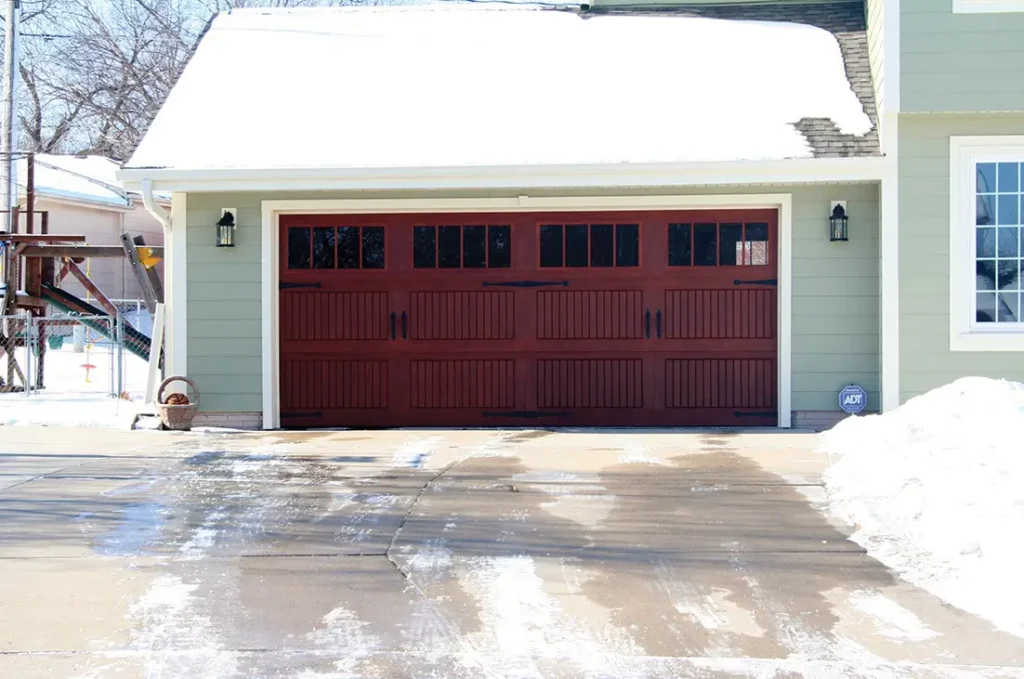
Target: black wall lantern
226	228
839	222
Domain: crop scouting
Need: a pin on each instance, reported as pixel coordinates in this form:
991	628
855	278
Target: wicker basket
177	417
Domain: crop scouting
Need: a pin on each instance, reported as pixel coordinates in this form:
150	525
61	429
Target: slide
135	341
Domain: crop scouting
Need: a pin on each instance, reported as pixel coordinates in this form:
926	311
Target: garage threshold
584	430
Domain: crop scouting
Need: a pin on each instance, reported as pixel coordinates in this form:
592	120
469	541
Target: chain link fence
71	354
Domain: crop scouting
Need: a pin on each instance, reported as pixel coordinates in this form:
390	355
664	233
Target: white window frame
987	6
965	333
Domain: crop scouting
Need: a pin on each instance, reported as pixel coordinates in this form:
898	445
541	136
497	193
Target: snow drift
935	490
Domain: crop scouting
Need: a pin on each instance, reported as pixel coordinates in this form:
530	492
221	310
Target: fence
71	354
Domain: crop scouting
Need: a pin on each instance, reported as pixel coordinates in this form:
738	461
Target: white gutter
733	172
154	208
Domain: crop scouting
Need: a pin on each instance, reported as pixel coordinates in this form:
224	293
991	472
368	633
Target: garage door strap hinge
526	284
527	414
288	286
765	281
285	414
763	413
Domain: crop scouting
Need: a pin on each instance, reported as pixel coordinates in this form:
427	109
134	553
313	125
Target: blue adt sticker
853	399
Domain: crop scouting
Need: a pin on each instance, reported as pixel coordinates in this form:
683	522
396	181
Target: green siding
925	359
835	295
959	62
693	3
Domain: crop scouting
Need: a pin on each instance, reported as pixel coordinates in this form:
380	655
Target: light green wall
696	3
960	62
925	359
876	54
835	295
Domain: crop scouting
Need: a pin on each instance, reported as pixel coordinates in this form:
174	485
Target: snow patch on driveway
935	490
176	641
893	621
522	625
415	452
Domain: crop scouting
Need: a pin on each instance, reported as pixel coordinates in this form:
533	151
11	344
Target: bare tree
95	73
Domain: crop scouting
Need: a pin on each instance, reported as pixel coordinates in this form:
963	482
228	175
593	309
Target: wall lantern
839	222
226	228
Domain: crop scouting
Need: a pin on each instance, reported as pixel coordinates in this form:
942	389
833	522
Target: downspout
153	208
164	217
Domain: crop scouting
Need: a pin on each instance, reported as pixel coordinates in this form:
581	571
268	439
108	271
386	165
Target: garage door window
718	244
462	247
347	247
589	245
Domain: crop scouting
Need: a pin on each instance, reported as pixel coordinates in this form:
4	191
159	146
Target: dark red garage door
650	318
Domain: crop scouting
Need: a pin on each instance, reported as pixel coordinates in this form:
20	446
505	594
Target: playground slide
135	341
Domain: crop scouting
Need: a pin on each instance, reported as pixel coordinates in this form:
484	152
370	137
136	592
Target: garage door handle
405	325
658	323
394	317
647	324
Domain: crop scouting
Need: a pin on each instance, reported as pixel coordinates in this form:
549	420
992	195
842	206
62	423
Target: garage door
651	318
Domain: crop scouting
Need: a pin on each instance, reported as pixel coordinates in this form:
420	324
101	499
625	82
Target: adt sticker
853	399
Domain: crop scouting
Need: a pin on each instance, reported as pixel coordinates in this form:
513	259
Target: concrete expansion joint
450	627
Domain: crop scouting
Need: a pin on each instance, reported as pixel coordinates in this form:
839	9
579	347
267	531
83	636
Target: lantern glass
839	224
226	231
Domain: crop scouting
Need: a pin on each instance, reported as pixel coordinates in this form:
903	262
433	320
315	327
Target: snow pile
936	492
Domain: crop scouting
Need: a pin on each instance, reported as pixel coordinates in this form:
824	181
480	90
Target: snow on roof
454	86
82	178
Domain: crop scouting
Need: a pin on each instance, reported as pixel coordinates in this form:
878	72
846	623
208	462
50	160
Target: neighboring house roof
458	86
89	179
83	179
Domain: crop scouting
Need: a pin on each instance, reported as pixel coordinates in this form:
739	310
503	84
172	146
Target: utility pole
8	167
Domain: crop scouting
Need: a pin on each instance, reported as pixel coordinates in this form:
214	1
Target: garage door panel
312	315
586	383
462	384
590	314
318	384
720	314
708	383
462	315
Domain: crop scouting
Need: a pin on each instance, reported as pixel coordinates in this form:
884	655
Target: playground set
35	263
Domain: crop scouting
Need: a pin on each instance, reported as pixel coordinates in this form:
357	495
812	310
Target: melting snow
177	642
935	490
893	620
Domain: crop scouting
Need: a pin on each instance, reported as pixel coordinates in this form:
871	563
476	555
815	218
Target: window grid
344	247
469	246
718	244
575	246
999	192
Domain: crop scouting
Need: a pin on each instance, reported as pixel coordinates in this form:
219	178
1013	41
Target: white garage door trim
273	209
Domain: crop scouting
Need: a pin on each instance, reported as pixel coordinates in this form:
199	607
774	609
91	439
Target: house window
986	256
987	6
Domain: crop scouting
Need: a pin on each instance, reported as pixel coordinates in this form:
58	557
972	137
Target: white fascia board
802	170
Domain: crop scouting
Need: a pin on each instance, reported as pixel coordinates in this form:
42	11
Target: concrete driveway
450	554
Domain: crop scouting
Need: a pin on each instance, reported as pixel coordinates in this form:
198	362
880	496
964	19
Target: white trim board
270	254
964	333
790	171
987	6
176	290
